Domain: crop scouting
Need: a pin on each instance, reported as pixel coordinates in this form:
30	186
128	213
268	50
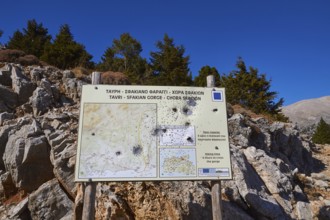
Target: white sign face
137	133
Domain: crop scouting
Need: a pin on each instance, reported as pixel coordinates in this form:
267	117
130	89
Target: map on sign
137	133
108	151
177	162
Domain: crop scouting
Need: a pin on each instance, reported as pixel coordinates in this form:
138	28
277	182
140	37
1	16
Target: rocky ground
277	173
319	197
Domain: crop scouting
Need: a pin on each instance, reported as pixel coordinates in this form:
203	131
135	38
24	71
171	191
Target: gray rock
324	213
253	190
4	134
320	176
303	210
8	97
287	143
67	74
19	210
7	187
5	73
299	194
5	116
63	154
238	130
50	202
41	101
22	85
321	184
26	156
46	85
36	75
276	182
232	211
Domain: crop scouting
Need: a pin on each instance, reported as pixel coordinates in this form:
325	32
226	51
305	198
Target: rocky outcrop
27	154
50	202
273	166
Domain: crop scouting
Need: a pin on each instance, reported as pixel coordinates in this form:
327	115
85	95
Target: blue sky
288	40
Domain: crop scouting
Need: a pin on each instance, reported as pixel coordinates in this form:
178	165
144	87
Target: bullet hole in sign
137	150
187	123
118	153
174	109
186	111
189	139
215	110
93	134
96	87
216	147
191	102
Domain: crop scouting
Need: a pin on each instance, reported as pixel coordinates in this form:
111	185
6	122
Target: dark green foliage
322	133
65	52
169	66
32	40
124	56
250	90
205	71
1	33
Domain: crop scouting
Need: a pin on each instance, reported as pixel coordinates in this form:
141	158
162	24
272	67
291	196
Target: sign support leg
90	189
215	185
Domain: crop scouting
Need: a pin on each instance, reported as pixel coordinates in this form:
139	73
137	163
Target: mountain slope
307	113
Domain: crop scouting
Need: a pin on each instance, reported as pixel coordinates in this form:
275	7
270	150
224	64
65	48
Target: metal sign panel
137	133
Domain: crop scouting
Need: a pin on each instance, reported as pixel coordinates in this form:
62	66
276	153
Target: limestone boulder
41	101
63	155
27	156
253	190
50	202
5	75
8	99
21	85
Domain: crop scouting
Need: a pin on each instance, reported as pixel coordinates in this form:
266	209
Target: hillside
276	174
307	113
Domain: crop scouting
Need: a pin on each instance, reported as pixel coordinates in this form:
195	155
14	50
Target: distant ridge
307	113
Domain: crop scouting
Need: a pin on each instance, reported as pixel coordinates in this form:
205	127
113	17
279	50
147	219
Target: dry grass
81	72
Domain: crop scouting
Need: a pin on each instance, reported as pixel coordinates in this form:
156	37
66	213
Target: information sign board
137	133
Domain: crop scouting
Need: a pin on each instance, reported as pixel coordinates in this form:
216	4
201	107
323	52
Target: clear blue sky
289	40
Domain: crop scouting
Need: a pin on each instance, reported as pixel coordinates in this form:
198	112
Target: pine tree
32	40
169	66
1	33
205	71
124	56
322	133
251	90
65	52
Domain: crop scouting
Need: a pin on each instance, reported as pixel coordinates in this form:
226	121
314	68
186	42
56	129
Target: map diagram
177	162
107	151
177	136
